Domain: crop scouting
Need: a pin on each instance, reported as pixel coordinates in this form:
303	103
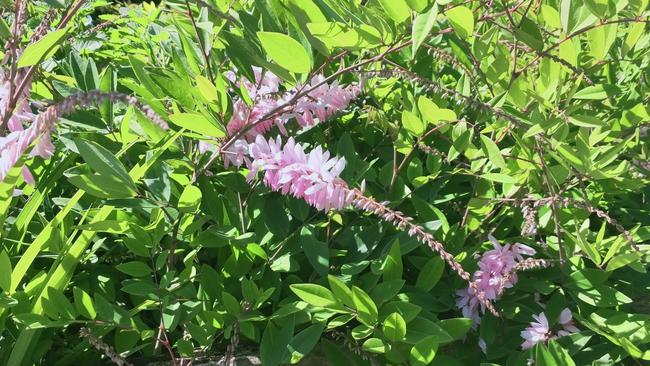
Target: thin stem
204	52
577	33
13	98
397	169
549	185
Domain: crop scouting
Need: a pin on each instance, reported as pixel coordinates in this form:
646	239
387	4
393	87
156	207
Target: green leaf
543	357
424	351
586	247
394	327
421	327
84	304
601	8
197	123
500	178
303	342
430	111
207	89
106	226
375	345
342	293
190	199
135	269
285	51
5	273
462	20
366	308
313	294
274	344
603	296
5	32
595	92
601	39
393	266
316	251
397	10
422	26
102	161
560	355
140	288
633	36
102	186
151	89
634	327
493	153
530	34
57	301
456	327
232	305
430	274
623	260
584	120
45	47
412	123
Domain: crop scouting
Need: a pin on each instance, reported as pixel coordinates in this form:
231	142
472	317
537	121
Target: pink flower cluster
540	330
318	105
496	273
19	139
288	169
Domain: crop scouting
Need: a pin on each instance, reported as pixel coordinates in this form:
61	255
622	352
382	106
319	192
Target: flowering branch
406	223
14	145
314	177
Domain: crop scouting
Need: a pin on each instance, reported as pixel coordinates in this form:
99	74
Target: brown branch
396	169
579	32
204	53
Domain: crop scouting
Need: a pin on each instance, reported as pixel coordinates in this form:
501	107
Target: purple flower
566	321
495	274
537	332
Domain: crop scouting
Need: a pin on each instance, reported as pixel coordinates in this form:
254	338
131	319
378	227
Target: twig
204	52
549	185
104	348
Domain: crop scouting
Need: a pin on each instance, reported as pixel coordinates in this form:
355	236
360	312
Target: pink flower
265	82
317	105
311	176
322	102
537	332
566	321
12	148
14	145
27	176
236	154
495	274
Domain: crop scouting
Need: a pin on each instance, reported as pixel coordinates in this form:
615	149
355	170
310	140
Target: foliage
525	120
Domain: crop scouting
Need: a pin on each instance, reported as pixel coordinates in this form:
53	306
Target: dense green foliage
526	120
